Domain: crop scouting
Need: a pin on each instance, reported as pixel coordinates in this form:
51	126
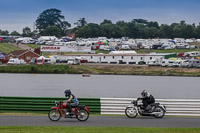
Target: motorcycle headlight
56	103
132	102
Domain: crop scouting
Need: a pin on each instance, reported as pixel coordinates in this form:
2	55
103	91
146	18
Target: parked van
75	61
154	62
16	61
194	63
167	63
184	63
43	60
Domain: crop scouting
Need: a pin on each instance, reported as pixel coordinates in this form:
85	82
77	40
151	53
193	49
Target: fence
41	104
183	107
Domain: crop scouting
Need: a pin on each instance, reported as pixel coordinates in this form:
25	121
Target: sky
17	14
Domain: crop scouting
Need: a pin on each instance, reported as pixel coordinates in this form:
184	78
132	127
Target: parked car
33	60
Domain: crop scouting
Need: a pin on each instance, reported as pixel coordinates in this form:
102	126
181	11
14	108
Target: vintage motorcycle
80	112
136	107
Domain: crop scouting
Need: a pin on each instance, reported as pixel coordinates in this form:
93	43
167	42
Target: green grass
7	48
83	69
33	45
45	129
57	69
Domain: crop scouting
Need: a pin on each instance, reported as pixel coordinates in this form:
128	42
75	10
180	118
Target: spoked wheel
54	115
159	112
82	115
131	112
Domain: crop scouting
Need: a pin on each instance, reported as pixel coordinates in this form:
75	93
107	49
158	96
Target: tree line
51	22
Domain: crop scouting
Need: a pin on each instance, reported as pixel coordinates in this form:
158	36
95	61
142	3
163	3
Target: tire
161	114
131	112
54	115
82	115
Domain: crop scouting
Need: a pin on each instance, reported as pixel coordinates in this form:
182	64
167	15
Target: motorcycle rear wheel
54	115
82	115
131	112
160	112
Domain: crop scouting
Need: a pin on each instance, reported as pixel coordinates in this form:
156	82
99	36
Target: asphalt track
102	121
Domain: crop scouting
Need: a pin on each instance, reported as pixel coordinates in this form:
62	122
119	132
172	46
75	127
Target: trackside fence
179	107
41	104
182	107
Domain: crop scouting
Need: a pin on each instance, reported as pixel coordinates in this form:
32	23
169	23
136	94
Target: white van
43	60
75	61
154	62
194	63
16	61
167	63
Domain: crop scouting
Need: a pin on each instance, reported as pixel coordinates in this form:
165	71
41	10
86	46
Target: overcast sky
17	14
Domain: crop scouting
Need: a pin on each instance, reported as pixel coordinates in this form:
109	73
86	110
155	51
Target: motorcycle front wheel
82	115
159	112
131	112
54	115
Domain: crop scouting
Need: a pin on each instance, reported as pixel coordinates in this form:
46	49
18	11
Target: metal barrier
183	107
41	104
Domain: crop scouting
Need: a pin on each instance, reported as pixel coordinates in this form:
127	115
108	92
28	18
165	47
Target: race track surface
102	121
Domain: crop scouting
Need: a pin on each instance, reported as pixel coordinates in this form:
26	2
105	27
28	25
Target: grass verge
102	69
7	48
32	129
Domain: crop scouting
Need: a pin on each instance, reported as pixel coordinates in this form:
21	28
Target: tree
51	17
4	32
81	22
64	26
26	32
166	31
106	21
90	30
52	31
153	24
140	21
15	33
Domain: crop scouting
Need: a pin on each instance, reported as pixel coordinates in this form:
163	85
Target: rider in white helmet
147	99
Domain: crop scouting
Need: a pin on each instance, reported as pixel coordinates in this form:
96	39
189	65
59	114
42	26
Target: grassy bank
7	48
57	69
101	69
30	129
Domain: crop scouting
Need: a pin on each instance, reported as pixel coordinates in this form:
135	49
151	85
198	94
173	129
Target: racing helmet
144	93
67	93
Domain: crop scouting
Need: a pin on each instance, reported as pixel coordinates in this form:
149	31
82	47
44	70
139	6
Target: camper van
74	61
43	60
194	63
154	62
167	63
16	61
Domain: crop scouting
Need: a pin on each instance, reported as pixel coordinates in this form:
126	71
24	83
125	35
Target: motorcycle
80	112
136	107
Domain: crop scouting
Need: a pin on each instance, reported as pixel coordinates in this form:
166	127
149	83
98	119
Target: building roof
17	52
20	52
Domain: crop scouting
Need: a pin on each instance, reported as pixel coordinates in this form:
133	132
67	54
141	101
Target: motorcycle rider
71	101
147	99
